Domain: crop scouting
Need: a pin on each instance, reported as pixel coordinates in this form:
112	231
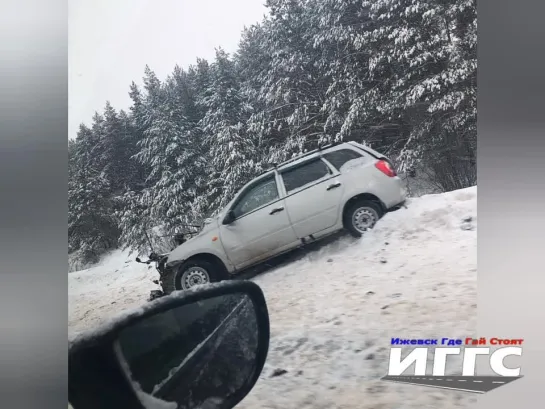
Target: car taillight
385	167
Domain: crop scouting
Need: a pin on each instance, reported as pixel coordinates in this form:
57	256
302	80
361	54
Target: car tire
191	273
361	216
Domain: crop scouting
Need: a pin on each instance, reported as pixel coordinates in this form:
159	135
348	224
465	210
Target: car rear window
304	174
340	157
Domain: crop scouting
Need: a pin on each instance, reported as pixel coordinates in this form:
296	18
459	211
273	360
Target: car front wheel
190	274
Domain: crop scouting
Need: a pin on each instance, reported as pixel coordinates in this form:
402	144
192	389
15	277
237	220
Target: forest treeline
397	75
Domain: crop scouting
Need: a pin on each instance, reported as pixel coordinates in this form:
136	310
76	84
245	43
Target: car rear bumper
397	206
393	192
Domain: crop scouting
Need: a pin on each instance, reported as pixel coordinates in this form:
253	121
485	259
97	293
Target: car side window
340	157
265	191
304	174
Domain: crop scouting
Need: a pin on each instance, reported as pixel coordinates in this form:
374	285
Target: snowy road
334	311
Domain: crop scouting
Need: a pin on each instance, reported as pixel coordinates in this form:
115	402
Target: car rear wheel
362	216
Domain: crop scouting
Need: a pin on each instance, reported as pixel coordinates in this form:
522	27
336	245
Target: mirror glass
197	355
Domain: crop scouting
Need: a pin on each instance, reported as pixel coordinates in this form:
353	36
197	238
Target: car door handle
334	186
278	209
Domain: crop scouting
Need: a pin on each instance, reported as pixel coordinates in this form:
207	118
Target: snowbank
98	294
333	314
334	311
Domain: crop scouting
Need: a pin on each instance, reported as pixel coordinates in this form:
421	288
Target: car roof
298	160
291	162
311	155
301	159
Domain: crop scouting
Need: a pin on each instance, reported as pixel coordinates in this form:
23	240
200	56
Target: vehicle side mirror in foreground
192	349
229	217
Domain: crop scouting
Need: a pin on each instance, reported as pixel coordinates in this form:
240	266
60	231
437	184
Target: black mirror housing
118	365
229	217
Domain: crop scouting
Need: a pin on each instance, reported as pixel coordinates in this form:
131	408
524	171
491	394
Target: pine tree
231	150
399	75
294	87
254	61
429	78
138	211
91	228
183	147
111	150
339	40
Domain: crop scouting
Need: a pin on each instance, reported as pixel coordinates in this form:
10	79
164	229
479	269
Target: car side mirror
229	217
179	351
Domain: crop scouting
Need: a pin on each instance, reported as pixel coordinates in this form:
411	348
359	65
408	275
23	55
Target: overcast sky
111	41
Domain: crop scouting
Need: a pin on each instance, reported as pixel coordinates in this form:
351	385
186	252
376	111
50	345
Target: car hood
194	243
211	225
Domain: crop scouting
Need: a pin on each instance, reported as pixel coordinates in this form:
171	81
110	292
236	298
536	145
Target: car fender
205	243
372	187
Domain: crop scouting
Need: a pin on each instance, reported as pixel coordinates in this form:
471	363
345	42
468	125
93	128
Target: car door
261	227
313	196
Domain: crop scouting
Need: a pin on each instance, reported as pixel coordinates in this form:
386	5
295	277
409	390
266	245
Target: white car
344	185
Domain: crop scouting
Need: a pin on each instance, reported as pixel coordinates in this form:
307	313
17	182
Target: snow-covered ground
334	311
102	292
